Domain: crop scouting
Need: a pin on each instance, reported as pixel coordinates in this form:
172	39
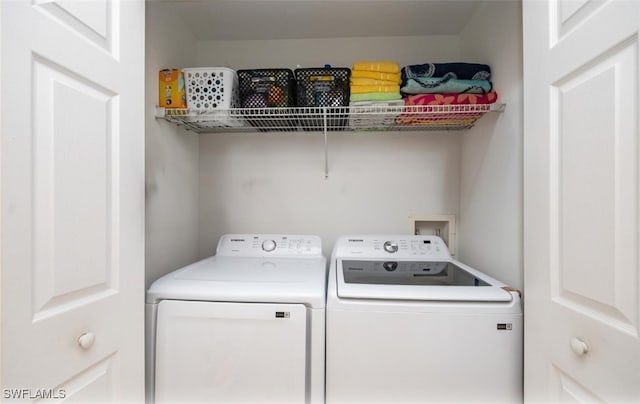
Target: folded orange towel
377	66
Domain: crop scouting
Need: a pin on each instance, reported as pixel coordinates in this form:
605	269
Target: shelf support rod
326	144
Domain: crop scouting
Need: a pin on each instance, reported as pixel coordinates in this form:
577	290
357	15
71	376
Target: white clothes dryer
407	323
243	326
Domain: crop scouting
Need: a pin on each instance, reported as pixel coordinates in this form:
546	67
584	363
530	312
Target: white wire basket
210	93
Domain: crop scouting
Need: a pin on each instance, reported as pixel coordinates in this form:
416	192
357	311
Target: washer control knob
390	247
268	245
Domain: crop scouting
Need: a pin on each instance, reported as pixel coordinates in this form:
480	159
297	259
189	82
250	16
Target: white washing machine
243	326
406	323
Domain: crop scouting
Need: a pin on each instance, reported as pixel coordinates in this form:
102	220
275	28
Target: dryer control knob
390	247
268	245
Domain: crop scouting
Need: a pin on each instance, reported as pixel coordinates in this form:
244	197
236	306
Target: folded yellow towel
381	66
375	89
363	81
395	77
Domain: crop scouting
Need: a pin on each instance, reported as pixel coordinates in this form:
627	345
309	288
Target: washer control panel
396	246
263	245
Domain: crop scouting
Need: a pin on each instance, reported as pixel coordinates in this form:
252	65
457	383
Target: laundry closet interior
201	186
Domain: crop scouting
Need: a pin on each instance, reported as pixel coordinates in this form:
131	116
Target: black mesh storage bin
268	88
323	87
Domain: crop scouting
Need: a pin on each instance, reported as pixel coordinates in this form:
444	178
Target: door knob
86	340
578	346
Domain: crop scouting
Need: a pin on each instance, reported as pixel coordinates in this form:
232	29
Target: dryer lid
253	279
416	280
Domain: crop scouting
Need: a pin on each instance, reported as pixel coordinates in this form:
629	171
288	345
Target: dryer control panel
392	246
271	245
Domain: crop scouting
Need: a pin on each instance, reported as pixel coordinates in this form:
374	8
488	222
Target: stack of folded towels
375	81
445	84
445	81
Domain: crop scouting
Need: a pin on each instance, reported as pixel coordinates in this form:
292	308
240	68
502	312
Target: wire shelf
332	119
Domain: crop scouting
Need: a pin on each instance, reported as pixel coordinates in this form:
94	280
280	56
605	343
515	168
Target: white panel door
581	224
231	353
72	199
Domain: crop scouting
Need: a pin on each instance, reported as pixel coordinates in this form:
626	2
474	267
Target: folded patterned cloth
451	99
375	89
462	71
443	85
375	97
363	81
377	66
395	77
425	109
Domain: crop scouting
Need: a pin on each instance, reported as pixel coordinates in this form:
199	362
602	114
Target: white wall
341	52
491	157
275	183
171	155
264	183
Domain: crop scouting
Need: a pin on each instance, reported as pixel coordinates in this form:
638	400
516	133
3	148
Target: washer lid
416	280
235	279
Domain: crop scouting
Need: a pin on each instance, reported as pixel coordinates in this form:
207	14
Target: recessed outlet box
443	226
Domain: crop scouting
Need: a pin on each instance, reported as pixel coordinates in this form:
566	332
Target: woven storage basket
320	88
262	89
